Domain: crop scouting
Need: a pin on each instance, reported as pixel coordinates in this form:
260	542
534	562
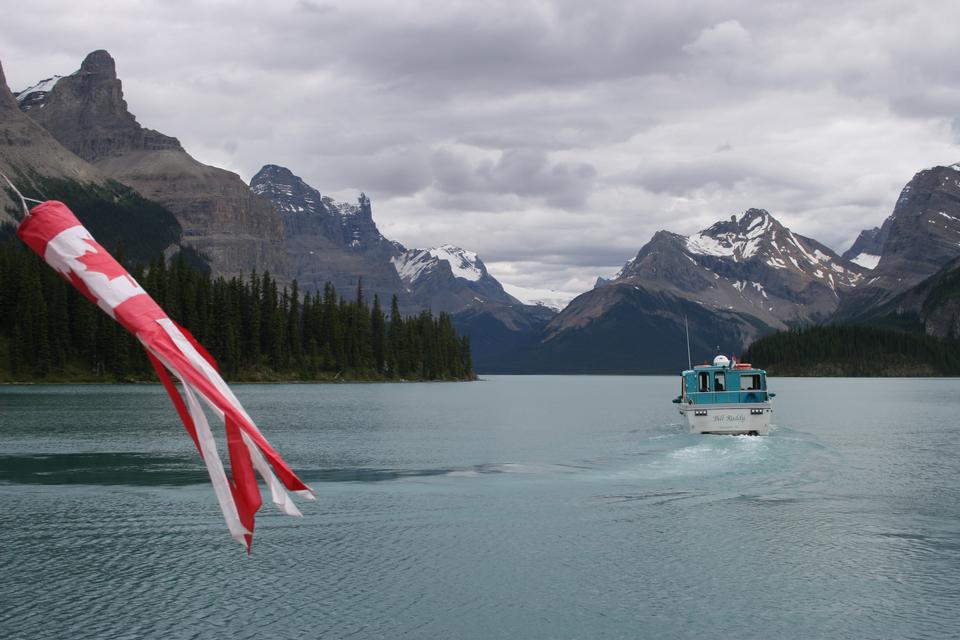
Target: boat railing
729	397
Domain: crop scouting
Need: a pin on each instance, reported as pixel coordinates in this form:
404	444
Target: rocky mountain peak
275	173
97	77
330	241
749	263
746	223
288	192
26	148
914	243
339	242
87	113
923	232
349	225
101	64
739	238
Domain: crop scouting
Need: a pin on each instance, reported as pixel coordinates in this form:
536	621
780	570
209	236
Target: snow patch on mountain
550	298
463	263
623	270
866	260
413	263
709	246
42	87
346	209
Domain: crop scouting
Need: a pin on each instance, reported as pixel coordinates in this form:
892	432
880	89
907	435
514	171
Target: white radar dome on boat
721	361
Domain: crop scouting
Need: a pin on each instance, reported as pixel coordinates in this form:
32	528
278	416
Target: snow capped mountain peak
739	238
290	194
450	275
748	262
415	263
756	235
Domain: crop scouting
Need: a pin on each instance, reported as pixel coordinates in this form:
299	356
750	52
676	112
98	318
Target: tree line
854	350
255	328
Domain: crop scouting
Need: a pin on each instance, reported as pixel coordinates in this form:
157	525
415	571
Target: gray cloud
553	137
521	172
685	177
723	38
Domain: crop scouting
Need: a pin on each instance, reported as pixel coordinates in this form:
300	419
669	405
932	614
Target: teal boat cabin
725	397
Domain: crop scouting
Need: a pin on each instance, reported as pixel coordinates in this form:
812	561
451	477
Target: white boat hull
728	419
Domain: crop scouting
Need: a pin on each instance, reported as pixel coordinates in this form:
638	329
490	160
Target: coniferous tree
378	336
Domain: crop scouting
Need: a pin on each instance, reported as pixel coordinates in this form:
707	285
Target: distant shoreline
93	383
479	378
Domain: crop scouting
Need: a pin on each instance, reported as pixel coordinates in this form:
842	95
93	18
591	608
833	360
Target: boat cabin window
720	381
704	381
750	382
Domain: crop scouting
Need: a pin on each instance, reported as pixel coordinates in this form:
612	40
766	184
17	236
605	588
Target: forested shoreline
254	328
854	350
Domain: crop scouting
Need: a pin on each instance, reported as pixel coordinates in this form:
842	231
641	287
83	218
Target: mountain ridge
87	113
749	263
920	236
327	241
340	242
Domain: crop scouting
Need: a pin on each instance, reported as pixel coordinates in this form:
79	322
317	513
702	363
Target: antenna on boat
686	329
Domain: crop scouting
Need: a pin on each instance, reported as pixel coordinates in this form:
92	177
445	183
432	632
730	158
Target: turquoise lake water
515	507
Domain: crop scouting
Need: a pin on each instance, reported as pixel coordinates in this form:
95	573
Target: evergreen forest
854	350
256	329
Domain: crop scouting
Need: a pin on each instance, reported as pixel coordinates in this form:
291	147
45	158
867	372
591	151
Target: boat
725	397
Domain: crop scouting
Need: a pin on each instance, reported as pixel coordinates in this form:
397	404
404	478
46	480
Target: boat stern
753	419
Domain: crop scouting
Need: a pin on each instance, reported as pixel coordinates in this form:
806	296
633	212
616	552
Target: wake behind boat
725	398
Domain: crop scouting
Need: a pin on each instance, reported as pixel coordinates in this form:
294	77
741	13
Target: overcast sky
554	138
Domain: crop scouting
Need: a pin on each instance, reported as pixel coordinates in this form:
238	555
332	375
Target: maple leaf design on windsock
99	261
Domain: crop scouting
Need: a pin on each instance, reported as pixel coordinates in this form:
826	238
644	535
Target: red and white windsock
55	234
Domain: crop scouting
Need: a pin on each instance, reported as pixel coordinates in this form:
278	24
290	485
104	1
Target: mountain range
339	242
78	127
747	275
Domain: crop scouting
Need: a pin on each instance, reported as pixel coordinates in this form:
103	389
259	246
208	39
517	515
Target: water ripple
509	509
